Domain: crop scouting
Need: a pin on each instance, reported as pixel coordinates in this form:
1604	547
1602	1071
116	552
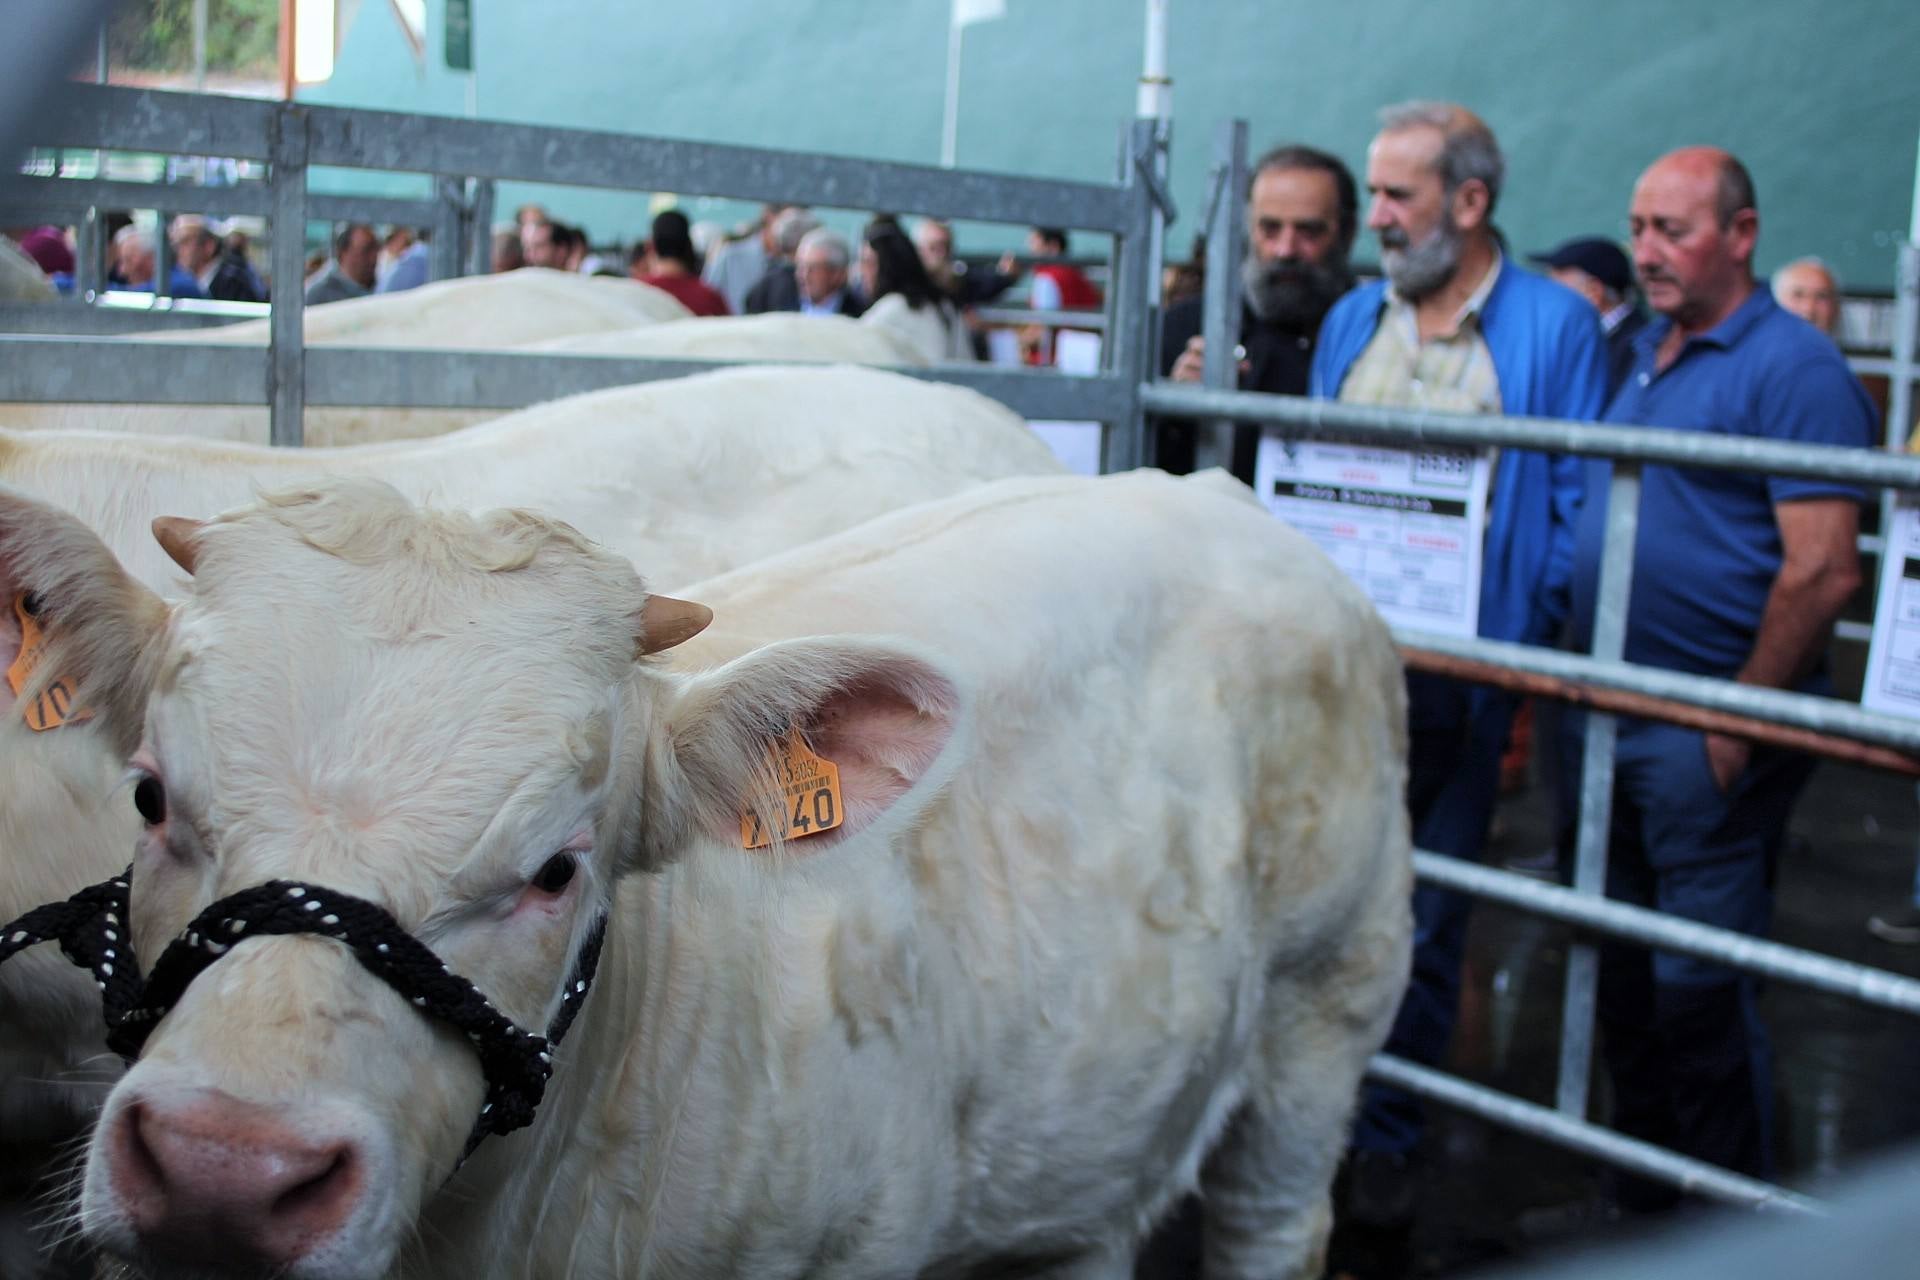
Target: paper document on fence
1408	527
1893	659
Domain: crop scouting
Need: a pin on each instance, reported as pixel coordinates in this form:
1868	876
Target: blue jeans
1456	736
1690	1060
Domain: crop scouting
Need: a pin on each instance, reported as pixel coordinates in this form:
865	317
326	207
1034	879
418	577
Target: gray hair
1468	151
790	228
828	243
135	234
1809	261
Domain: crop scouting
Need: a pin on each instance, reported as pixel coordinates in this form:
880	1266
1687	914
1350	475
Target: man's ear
879	713
61	587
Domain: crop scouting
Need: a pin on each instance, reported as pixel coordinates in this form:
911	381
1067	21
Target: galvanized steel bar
1220	302
1591	1140
1052	319
1647	927
1578	1006
286	350
70	195
1822	715
124	119
1622	703
1316	419
1906	333
201	124
44	368
70	316
1128	302
449	212
479	228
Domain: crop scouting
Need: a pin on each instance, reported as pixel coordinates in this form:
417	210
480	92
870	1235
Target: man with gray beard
1302	212
1455	327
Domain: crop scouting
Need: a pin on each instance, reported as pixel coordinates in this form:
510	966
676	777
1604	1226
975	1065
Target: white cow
693	475
1117	898
784	338
486	313
21	279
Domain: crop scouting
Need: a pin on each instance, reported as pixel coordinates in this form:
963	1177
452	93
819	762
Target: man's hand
1192	362
1726	758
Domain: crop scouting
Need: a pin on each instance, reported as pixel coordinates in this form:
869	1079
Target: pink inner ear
884	731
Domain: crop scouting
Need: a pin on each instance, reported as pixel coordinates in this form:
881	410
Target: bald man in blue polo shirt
1737	575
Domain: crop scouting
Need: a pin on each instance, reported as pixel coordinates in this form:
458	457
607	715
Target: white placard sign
1076	444
1893	658
1407	527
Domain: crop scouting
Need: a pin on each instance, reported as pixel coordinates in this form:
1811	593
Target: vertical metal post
1130	315
200	46
449	213
91	277
1596	785
1906	332
162	259
480	228
1220	306
286	332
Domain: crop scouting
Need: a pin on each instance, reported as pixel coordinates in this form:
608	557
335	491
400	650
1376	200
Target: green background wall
1821	100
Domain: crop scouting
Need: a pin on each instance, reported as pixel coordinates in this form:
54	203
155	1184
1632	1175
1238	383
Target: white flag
968	12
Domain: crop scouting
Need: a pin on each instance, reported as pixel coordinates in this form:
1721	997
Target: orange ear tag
810	796
54	707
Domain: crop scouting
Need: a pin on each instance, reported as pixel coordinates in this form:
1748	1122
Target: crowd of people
1738	576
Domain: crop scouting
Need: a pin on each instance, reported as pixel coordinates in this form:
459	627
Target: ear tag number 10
54	705
809	796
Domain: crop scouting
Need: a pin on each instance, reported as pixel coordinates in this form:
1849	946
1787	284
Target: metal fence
291	137
1133	210
1824	724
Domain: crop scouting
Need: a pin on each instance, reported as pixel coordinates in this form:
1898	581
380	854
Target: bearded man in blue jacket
1457	326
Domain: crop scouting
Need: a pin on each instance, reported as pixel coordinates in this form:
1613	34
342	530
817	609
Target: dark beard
1292	294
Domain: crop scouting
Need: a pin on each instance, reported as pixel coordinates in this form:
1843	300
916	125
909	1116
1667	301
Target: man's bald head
1694	223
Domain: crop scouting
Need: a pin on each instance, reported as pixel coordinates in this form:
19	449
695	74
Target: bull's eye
555	873
150	798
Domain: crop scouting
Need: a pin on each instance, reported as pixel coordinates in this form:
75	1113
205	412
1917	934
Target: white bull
484	313
693	475
1114	899
784	338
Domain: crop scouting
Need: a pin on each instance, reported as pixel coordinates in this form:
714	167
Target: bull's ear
748	746
87	620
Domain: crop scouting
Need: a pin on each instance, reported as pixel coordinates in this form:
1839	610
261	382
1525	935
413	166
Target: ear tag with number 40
54	706
809	796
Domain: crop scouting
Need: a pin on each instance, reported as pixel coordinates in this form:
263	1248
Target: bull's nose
216	1180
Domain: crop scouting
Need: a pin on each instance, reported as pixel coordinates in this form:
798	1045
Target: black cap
1601	259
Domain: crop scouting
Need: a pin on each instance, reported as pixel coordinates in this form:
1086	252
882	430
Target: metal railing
291	137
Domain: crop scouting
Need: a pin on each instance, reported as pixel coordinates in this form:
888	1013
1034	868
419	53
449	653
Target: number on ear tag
53	706
809	796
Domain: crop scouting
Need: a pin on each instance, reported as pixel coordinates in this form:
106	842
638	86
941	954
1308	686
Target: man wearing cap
1598	271
1302	211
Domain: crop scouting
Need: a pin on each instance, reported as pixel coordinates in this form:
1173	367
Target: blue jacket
1551	360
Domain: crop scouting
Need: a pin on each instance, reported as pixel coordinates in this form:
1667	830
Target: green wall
1821	100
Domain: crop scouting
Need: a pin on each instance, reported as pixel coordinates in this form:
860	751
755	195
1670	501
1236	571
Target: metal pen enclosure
460	153
1133	210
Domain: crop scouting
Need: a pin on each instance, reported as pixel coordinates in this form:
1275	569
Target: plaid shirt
1451	371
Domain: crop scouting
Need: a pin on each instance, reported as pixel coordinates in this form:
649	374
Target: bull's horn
176	535
666	622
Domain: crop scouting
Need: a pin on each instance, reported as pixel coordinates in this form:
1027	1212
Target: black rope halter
88	926
517	1062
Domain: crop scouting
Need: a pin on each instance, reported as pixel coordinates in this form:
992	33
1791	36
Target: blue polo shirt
1708	548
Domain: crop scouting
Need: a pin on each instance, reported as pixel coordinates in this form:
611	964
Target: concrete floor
1844	1072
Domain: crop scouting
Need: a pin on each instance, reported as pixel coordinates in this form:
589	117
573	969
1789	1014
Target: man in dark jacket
1302	208
1598	271
219	274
